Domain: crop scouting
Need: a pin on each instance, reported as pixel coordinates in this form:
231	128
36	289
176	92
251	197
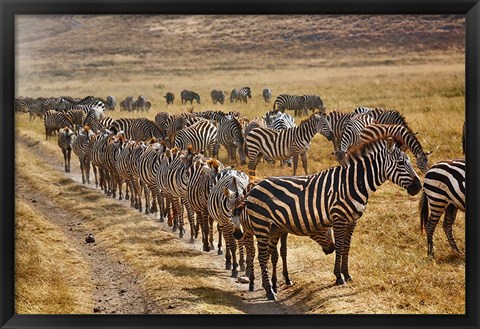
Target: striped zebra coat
54	121
187	95
66	137
140	129
443	192
82	148
290	102
334	198
202	136
230	135
351	133
281	145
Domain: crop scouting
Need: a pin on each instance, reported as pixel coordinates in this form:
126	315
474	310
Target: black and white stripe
66	137
443	192
218	96
290	102
188	95
202	136
335	198
138	129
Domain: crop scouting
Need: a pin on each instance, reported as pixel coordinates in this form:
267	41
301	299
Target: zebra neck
368	173
307	130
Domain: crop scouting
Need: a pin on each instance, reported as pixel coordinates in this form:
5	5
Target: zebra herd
170	167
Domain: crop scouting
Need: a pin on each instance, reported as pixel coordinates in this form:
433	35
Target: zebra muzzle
414	187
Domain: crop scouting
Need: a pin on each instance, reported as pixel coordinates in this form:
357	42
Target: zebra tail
423	210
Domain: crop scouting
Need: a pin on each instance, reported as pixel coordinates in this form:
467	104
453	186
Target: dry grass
388	261
51	276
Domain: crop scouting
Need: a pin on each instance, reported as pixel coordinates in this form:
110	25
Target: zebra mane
360	149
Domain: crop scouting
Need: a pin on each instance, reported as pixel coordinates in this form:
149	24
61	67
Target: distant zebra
32	106
351	133
229	190
290	102
65	140
141	104
242	95
187	95
81	147
147	170
281	145
169	97
138	129
230	135
202	136
110	103
127	104
114	147
217	96
443	192
54	121
334	198
314	103
97	156
267	95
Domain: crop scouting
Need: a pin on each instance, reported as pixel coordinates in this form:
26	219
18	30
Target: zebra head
322	125
399	170
422	161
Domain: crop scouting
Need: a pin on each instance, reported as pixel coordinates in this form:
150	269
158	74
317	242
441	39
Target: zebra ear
390	144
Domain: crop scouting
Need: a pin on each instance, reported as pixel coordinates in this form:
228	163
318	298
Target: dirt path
117	288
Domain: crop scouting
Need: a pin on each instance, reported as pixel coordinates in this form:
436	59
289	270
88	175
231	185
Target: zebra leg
346	248
241	250
210	232
205	228
179	209
430	229
450	215
295	164
232	246
65	160
304	162
191	219
339	228
147	199
69	155
220	237
250	257
272	250
263	257
82	169
283	254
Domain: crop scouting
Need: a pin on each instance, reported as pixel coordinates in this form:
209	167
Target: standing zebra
230	135
81	147
127	104
401	133
218	96
110	103
351	133
65	140
267	95
169	97
335	198
229	190
443	192
290	102
314	103
202	136
138	129
242	95
54	121
187	95
279	122
97	156
337	121
280	145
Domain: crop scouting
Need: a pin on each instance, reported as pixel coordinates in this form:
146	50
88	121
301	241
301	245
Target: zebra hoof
347	277
271	296
212	247
174	229
288	283
220	252
206	248
340	282
234	273
120	197
228	266
251	287
146	211
192	240
127	197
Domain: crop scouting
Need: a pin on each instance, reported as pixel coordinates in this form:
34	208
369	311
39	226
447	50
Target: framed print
239	164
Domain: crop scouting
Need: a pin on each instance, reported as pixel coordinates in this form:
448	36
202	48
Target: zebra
138	129
127	104
169	97
54	121
97	156
93	121
229	190
290	102
443	192
351	133
65	140
110	103
114	147
140	104
81	147
230	135
281	121
187	95
217	96
267	95
201	178
337	121
163	120
76	117
314	103
84	104
242	95
32	106
291	142
202	136
402	133
172	181
178	123
335	197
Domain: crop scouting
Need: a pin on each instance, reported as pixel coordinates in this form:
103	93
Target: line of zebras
299	104
269	210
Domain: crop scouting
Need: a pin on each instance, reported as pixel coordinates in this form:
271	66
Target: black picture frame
470	8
